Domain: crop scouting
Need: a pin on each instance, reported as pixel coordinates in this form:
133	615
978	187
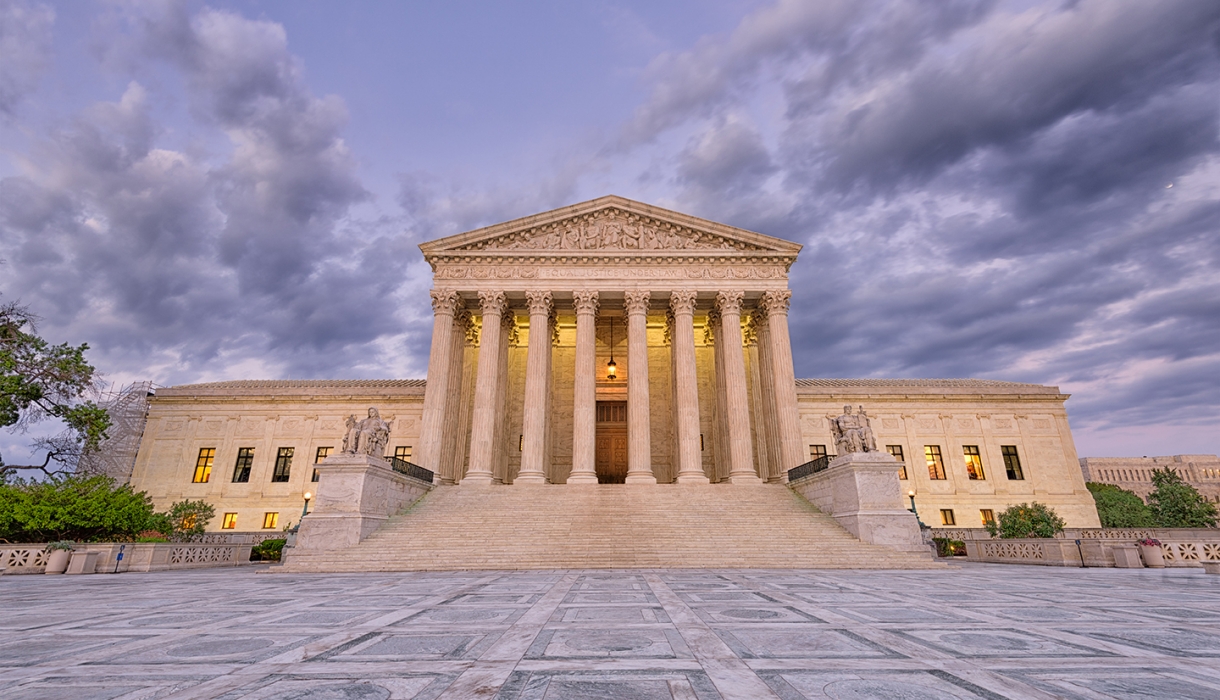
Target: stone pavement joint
981	631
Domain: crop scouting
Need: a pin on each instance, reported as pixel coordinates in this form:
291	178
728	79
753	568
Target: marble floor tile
978	631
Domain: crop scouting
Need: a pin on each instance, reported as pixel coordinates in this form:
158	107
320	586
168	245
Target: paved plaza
981	631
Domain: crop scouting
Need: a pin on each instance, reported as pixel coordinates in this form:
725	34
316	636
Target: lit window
936	466
1012	463
974	462
270	520
403	452
283	464
817	452
203	465
230	522
946	517
323	453
896	450
241	470
987	515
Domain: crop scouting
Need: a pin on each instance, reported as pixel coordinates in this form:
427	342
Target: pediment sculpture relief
610	230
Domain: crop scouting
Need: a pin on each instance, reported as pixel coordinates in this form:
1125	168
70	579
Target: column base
744	479
476	480
582	479
641	478
530	479
698	478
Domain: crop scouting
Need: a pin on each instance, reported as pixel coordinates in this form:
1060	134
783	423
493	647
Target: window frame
987	515
947	517
283	465
936	462
203	465
403	452
816	452
241	471
974	467
318	456
1012	463
902	468
271	520
229	522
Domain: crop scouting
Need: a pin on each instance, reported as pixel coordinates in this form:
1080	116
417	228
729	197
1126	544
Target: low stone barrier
139	556
1181	547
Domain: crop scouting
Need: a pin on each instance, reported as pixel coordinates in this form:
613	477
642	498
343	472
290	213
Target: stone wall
1135	473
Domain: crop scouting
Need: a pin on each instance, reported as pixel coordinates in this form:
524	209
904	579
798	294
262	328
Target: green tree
1027	520
1175	503
73	507
189	519
40	381
1118	507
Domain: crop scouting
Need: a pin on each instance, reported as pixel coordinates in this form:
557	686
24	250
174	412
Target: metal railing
813	467
414	471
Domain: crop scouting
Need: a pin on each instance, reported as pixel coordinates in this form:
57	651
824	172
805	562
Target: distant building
1135	473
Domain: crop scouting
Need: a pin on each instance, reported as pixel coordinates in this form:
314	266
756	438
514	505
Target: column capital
493	302
682	302
729	302
445	302
539	302
636	302
775	301
585	301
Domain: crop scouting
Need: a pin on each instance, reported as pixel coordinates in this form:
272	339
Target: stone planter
1153	557
1211	567
57	561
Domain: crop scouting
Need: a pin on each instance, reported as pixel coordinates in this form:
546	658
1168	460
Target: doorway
611	452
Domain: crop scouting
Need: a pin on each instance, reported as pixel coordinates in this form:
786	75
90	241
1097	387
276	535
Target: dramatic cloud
25	48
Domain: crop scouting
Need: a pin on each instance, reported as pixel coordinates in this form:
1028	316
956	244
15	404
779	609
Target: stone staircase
608	527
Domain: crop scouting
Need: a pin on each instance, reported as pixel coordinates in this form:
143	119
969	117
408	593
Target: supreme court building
612	342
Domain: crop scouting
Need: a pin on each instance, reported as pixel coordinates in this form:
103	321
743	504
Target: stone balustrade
1181	547
137	556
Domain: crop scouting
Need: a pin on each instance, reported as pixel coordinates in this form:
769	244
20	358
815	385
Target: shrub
76	507
65	545
1175	503
267	550
946	547
1027	520
189	519
1118	507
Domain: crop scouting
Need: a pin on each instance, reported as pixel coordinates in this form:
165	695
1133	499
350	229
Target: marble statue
351	436
853	432
366	437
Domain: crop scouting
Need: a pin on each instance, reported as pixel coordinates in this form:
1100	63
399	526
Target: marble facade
527	316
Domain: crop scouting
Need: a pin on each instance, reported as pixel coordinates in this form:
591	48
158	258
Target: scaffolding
128	411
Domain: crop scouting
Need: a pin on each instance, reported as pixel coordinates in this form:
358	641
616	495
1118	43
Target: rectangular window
404	452
283	464
946	517
896	450
1012	463
816	452
987	515
936	466
203	465
323	453
974	463
241	470
230	522
270	520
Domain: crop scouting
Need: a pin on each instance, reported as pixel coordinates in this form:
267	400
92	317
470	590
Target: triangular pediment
609	225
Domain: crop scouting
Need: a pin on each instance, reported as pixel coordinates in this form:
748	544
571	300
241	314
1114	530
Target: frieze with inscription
524	272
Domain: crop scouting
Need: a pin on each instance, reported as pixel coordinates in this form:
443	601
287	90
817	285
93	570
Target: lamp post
611	367
911	495
308	495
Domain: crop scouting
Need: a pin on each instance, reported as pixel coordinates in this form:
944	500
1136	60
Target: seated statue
853	433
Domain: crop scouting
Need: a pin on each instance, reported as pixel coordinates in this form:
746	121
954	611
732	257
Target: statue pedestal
355	495
860	491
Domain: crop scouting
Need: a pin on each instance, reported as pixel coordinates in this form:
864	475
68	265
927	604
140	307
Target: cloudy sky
1015	190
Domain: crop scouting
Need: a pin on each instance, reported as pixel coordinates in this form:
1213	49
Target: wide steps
537	526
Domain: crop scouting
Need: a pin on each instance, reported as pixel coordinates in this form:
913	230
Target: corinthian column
639	429
741	452
584	399
486	387
686	381
784	379
766	371
537	382
436	394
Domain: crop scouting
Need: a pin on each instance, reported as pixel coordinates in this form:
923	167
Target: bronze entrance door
611	454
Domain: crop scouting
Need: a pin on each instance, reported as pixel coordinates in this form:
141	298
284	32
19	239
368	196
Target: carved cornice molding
585	302
488	267
682	302
493	303
636	302
775	302
539	302
729	303
444	302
